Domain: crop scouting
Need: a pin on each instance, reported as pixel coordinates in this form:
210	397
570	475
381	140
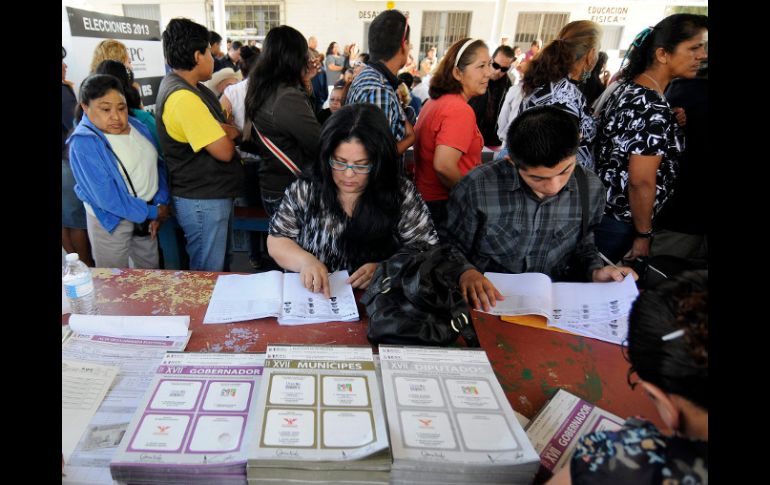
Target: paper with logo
556	428
137	359
321	403
448	417
275	294
195	420
596	310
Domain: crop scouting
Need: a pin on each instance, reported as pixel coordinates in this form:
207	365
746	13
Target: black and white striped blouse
320	233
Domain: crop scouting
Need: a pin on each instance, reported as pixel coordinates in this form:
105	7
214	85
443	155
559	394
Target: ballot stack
194	423
449	420
320	418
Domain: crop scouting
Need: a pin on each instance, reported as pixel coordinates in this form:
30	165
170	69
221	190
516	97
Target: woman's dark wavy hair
94	87
118	69
329	49
680	365
181	40
668	33
249	56
443	82
370	234
555	61
283	60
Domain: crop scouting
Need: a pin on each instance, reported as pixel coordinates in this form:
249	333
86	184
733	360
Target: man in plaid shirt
377	83
523	213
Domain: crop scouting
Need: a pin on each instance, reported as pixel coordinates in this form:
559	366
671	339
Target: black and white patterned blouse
565	94
320	233
636	121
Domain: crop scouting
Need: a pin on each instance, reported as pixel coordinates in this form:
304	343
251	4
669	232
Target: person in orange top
449	143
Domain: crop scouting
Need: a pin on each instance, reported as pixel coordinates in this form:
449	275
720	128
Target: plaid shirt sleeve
465	221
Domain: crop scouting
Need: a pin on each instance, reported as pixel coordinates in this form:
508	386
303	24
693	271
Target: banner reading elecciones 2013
142	38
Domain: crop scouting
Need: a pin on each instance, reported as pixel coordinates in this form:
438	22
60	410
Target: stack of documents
322	419
274	294
449	420
136	360
596	310
558	426
194	423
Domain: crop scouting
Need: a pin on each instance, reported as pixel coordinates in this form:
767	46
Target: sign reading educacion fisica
142	38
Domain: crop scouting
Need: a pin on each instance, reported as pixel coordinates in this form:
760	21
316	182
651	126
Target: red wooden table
530	363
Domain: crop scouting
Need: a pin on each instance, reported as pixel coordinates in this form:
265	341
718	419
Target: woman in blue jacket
121	178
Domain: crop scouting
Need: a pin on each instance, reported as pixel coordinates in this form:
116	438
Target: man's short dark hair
181	40
542	137
406	78
385	34
506	50
236	45
214	38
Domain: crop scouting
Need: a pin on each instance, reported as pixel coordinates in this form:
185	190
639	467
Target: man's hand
613	273
640	248
231	131
362	276
315	277
478	291
163	212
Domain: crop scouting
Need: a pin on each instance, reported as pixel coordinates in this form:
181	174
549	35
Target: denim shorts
73	214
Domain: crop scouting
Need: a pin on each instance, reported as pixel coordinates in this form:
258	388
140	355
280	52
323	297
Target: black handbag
414	298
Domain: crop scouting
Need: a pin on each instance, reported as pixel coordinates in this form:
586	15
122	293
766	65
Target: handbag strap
125	172
282	157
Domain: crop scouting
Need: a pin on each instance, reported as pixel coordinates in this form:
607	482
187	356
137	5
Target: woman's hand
478	291
315	276
362	276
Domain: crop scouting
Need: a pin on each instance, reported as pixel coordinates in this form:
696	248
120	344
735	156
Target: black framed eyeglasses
499	67
337	165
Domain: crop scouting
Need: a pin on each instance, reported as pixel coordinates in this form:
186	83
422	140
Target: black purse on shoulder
414	298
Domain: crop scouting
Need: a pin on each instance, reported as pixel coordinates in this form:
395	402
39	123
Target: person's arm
188	119
467	226
509	110
642	174
446	164
331	65
289	255
408	139
89	160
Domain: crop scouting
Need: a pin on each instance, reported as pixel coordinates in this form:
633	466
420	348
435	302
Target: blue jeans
206	224
614	238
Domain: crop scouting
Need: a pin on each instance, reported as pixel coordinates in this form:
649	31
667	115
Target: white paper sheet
131	326
302	306
245	297
525	294
83	386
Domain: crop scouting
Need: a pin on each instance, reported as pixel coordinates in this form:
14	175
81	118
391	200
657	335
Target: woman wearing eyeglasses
552	78
353	210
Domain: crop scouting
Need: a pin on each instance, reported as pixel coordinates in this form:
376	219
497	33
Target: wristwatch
643	235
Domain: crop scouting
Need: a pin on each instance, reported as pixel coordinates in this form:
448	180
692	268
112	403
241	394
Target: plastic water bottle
78	285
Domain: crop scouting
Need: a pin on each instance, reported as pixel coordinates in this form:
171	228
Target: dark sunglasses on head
500	68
